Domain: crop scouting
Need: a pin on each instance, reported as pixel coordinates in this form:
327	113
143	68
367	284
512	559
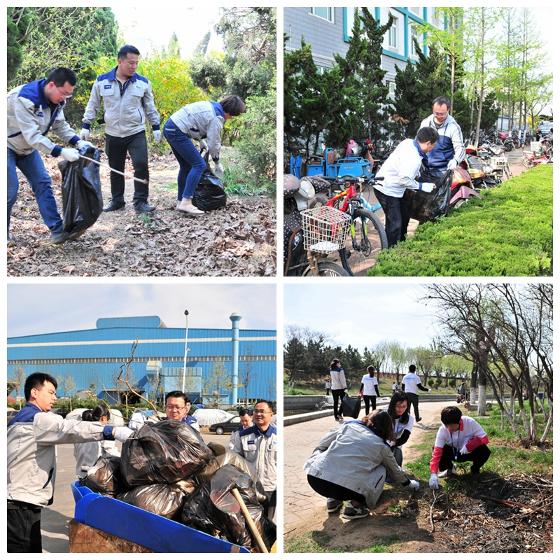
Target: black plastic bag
209	193
200	513
164	453
105	476
82	202
351	406
161	499
425	206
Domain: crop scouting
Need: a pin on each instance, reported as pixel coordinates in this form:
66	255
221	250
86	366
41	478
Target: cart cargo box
141	527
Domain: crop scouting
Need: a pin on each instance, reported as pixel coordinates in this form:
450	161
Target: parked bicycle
367	233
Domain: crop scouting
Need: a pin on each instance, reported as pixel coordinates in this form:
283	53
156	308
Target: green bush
508	232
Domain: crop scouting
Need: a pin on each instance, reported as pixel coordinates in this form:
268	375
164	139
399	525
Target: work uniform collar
113	75
268	433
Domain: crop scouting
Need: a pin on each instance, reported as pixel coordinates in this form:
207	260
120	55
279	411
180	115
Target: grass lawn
508	232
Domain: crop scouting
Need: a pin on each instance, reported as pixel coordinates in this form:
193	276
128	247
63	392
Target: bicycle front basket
324	229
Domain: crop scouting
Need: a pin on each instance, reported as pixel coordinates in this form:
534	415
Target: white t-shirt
469	428
410	381
369	385
399	427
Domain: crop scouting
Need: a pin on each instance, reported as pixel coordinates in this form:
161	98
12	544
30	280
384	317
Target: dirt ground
238	240
495	514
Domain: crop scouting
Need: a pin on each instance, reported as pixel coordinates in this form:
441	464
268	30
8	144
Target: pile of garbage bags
167	469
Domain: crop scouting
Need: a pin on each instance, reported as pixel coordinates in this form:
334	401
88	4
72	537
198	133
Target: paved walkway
301	503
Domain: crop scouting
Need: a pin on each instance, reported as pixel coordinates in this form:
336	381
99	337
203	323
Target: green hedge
508	232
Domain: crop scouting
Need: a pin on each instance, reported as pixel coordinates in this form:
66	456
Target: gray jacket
32	436
203	119
124	114
348	456
31	117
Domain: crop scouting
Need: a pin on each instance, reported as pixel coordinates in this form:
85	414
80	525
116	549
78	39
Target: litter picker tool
126	175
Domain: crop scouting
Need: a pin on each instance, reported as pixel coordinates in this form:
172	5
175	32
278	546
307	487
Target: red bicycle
367	233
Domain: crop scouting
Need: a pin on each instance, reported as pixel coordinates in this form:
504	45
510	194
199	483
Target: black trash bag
237	530
425	206
200	513
164	453
105	476
351	406
161	499
82	202
209	193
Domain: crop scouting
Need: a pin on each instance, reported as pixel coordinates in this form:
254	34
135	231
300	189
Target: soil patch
238	240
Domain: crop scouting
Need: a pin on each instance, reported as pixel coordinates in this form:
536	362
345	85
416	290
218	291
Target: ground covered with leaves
238	240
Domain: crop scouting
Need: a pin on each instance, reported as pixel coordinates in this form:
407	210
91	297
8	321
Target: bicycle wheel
326	269
367	238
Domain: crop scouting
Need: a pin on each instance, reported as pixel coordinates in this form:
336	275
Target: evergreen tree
294	358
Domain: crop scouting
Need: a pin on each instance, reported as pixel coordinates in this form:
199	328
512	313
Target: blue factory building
224	366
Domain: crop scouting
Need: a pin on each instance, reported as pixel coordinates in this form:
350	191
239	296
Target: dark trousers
478	456
334	491
397	216
24	527
413	400
337	396
137	147
370	399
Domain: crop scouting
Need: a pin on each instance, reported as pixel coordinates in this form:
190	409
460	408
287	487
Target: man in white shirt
369	389
399	173
410	385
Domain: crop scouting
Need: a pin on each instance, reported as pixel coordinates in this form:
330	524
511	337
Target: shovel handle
115	170
249	519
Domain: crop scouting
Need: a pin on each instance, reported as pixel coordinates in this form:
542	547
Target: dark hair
233	105
62	75
412	368
398	396
381	423
37	380
127	49
269	403
177	395
442	100
95	414
244	411
451	415
334	362
427	134
371	369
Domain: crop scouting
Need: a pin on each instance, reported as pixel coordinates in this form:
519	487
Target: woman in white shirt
369	389
338	387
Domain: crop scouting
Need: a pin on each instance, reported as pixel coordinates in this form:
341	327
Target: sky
66	307
150	29
361	315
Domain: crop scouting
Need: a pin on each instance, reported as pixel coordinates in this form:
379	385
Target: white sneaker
448	472
189	208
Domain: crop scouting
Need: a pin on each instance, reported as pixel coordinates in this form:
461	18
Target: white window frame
330	13
393	36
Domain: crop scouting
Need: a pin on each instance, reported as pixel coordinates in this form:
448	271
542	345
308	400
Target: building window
417	11
393	36
323	13
419	38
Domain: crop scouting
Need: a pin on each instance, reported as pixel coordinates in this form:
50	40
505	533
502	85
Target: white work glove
434	482
414	485
429	390
464	450
70	154
203	145
84	133
157	136
426	187
84	144
452	164
218	170
122	433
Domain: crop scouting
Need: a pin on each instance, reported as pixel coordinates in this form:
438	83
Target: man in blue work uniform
177	407
33	110
127	102
449	151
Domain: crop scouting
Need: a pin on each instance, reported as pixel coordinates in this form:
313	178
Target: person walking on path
338	388
459	439
410	385
33	110
204	121
127	101
351	462
369	389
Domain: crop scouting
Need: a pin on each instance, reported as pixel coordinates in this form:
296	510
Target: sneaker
351	512
418	419
333	505
59	238
113	206
189	208
448	472
143	208
76	234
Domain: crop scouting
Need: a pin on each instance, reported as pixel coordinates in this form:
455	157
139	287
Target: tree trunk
482	400
547	427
